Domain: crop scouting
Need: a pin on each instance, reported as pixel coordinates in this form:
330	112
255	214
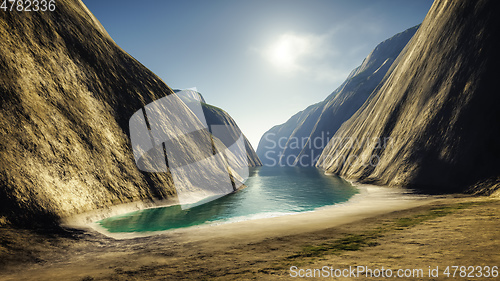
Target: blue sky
261	61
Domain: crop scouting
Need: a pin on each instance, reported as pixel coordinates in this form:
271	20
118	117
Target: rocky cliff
67	92
434	124
301	139
217	116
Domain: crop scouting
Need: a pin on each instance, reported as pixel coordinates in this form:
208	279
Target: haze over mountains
301	139
438	107
427	120
67	92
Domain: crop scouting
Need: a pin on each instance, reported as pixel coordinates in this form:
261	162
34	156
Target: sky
260	61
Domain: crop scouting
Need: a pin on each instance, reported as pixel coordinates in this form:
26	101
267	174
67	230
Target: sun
282	53
285	52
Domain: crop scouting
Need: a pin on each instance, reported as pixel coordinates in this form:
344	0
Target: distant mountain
67	92
194	94
217	116
434	124
301	139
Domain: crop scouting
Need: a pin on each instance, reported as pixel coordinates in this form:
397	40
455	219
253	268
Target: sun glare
285	52
282	53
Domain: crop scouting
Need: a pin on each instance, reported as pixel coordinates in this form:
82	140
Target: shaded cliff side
301	139
434	123
67	92
217	116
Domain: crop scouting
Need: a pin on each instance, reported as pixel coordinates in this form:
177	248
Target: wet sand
260	249
371	200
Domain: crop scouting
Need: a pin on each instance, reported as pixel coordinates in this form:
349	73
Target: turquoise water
271	191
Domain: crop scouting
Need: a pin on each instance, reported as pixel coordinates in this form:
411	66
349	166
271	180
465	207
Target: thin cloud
326	57
311	55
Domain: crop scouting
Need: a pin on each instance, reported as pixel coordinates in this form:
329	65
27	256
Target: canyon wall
67	92
434	123
301	139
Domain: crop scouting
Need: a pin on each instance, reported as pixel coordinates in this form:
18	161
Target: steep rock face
303	137
217	116
67	92
434	123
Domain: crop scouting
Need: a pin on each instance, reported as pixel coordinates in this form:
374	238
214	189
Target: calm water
271	191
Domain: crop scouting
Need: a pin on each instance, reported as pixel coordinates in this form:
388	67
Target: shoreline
261	248
81	221
370	201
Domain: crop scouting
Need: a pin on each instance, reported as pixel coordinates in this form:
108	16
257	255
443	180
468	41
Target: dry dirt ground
459	231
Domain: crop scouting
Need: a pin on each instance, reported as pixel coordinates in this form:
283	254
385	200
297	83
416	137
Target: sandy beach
371	200
265	249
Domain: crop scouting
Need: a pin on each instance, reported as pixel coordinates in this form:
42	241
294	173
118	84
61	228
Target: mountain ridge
320	121
437	107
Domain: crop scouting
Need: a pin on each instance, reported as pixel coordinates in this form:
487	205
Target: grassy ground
368	238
